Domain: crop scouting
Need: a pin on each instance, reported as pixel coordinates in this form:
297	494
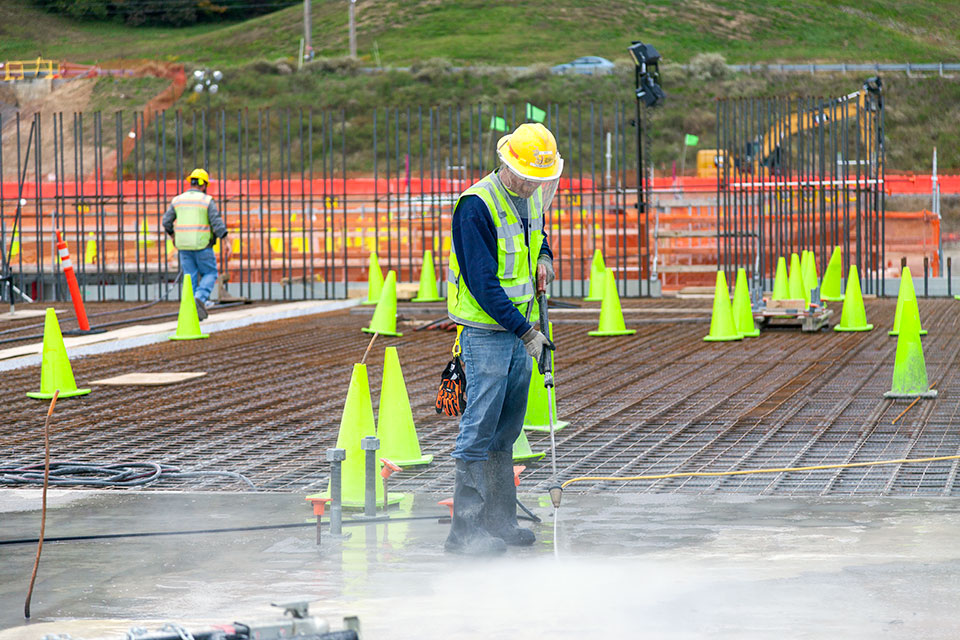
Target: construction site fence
802	173
301	222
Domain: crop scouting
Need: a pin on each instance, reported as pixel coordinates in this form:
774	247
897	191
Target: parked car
587	65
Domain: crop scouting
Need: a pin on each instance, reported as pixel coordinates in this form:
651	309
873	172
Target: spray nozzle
556	493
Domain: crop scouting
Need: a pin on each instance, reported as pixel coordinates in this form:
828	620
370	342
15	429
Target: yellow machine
765	149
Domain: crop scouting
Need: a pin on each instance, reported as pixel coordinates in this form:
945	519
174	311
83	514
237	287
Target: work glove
535	342
452	394
545	274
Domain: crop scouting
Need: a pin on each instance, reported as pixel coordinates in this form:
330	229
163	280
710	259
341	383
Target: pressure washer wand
545	366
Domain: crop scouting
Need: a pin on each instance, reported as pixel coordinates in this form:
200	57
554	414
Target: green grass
514	33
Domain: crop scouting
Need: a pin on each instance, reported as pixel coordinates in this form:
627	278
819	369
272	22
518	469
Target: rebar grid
662	401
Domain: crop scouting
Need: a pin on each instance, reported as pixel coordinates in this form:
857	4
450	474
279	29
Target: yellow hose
713	474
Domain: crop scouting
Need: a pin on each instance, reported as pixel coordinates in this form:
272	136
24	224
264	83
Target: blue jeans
498	380
201	266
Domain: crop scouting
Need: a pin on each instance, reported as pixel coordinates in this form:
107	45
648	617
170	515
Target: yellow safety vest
192	225
516	261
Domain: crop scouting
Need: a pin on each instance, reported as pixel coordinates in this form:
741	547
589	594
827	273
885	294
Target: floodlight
649	92
198	74
198	88
213	88
643	54
217	76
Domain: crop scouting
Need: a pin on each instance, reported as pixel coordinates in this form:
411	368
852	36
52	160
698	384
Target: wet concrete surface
627	566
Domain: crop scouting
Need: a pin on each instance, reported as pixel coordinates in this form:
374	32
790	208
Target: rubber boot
467	535
500	509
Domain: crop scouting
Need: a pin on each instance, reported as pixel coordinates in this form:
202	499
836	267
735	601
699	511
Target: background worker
194	223
499	247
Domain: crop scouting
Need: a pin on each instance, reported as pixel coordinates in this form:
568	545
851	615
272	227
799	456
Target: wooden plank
150	379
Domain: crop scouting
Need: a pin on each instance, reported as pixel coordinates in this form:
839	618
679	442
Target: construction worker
499	260
194	222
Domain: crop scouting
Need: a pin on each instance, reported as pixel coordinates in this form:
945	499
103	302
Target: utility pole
353	30
307	30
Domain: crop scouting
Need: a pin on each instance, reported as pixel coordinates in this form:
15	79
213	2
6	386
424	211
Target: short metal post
370	444
949	278
926	279
336	457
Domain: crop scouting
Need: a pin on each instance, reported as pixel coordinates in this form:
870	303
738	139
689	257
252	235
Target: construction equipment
765	151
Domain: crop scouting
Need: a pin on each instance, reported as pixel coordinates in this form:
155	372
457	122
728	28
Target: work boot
467	535
500	509
201	309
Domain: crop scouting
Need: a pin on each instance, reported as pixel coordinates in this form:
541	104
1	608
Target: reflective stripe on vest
516	263
192	225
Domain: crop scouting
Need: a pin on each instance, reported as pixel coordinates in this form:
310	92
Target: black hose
123	474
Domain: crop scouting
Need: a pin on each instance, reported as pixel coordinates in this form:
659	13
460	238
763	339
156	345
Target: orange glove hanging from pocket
452	394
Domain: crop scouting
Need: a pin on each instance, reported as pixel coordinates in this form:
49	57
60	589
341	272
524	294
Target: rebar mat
661	401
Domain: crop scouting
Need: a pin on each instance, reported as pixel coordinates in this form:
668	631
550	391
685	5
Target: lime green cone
428	291
188	323
854	316
384	319
537	417
522	450
356	423
398	435
795	281
909	368
906	292
55	370
781	289
742	311
722	328
611	315
597	278
830	287
374	280
809	270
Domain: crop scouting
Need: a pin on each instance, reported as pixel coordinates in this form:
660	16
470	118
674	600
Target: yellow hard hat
531	152
203	178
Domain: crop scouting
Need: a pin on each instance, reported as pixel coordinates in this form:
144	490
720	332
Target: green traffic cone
537	417
854	316
55	370
809	270
356	423
722	328
522	450
374	280
188	323
611	315
781	289
798	290
909	369
428	291
742	310
830	287
597	278
384	319
906	293
398	434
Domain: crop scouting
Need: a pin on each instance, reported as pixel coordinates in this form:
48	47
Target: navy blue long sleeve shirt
475	243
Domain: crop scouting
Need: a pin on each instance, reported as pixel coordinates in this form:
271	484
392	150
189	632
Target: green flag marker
498	123
535	114
691	140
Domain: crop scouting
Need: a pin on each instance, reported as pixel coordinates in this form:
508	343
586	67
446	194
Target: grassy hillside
504	32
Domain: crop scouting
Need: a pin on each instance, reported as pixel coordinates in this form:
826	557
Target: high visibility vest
192	225
516	260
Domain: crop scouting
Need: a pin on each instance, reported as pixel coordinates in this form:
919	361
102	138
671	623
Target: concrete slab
140	335
628	566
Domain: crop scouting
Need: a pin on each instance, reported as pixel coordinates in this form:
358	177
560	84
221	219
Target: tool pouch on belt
452	394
